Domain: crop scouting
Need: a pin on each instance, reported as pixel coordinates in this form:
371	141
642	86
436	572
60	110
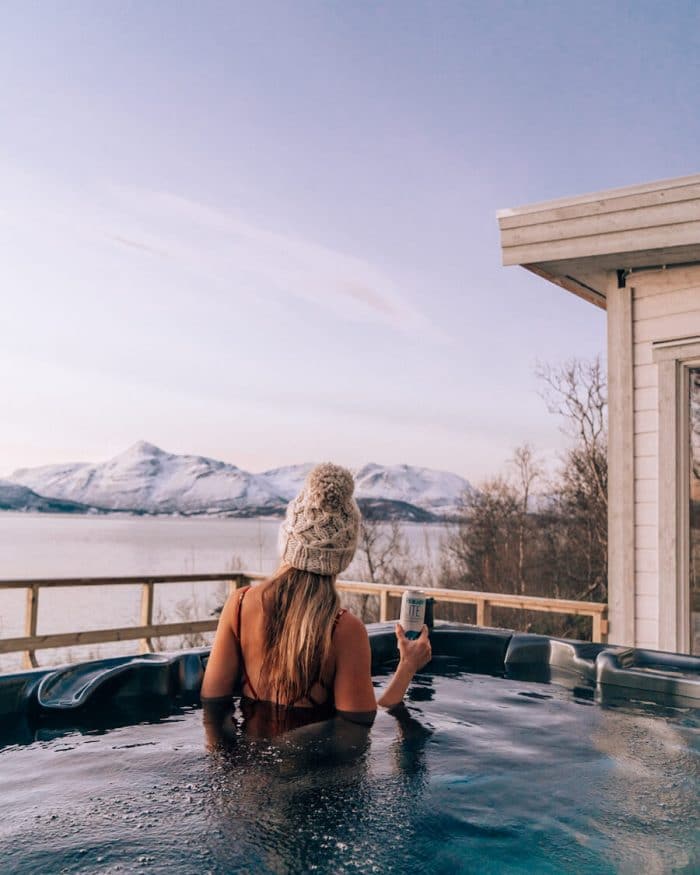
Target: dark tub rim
608	673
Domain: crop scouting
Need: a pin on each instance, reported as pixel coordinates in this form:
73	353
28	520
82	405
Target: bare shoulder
350	629
227	611
232	605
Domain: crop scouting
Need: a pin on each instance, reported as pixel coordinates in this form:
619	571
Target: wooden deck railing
31	641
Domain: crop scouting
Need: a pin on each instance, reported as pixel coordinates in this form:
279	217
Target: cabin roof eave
583	243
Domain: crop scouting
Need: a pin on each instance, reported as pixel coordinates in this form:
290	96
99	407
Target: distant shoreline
147	515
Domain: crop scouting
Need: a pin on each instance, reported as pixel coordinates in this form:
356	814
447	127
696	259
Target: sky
266	232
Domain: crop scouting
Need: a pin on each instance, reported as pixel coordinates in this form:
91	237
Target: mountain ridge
145	479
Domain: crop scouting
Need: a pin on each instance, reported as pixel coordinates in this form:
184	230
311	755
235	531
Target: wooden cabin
635	252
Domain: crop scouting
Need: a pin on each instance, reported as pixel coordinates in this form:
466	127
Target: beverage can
412	617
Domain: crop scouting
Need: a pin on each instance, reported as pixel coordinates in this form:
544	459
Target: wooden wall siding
653	307
666	305
645	468
667	327
646	559
646	514
648	445
647	632
646	398
642	354
664	281
646	377
645	421
647	607
646	490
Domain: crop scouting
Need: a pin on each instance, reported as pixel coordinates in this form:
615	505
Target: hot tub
514	753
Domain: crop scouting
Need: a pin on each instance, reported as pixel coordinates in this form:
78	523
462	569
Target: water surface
480	774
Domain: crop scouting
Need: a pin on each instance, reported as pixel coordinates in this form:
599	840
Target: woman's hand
414	653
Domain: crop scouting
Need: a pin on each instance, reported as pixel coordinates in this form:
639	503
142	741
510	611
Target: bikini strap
337	617
245	679
237	635
237	630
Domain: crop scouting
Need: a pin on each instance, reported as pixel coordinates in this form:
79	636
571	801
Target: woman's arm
217	718
353	690
413	655
224	662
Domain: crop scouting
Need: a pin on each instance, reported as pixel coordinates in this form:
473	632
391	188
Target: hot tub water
478	774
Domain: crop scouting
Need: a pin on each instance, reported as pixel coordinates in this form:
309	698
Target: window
679	494
694	509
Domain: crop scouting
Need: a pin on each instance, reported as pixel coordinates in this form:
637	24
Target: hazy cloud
225	245
134	244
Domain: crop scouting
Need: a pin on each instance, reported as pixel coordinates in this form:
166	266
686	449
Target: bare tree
577	392
559	547
480	549
382	551
527	471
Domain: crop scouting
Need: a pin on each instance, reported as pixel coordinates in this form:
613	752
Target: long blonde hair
300	609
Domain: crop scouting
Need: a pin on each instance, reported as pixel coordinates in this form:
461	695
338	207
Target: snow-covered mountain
438	492
286	481
16	497
146	479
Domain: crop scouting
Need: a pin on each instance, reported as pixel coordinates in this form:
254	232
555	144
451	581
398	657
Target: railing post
147	614
31	613
483	613
598	625
383	606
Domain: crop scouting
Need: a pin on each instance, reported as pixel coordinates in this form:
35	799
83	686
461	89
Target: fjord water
63	545
478	775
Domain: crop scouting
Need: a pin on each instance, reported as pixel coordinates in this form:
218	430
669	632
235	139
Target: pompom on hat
321	527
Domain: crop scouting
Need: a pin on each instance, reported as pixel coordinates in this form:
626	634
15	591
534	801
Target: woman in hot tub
298	656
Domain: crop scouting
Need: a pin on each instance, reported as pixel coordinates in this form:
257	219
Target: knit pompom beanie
320	530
